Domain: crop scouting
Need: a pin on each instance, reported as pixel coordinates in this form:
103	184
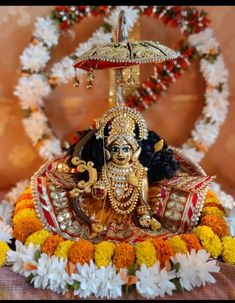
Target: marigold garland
26	194
124	255
145	253
25	203
209	240
217	224
192	241
103	253
3	252
63	249
163	250
212	210
26	227
50	244
177	244
23	213
81	251
38	237
228	253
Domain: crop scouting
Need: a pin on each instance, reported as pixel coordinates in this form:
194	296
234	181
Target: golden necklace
115	178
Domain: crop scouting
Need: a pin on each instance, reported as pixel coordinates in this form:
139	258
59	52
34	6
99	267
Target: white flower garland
46	272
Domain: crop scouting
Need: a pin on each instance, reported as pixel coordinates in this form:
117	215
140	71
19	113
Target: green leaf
29	278
178	286
132	269
37	255
76	285
176	266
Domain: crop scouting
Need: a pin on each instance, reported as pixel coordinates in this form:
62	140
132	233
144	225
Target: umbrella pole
120	35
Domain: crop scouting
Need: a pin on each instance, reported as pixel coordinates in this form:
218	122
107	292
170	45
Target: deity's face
121	152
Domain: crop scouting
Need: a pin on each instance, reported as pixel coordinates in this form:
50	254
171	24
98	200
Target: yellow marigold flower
81	251
124	255
23	213
209	240
212	195
25	227
103	253
192	241
38	237
217	224
145	253
63	249
26	203
178	245
212	210
3	252
50	244
228	252
163	250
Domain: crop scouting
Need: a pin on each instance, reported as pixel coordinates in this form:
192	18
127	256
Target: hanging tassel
76	81
90	78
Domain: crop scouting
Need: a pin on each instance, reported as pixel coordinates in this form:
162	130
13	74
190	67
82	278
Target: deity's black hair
161	164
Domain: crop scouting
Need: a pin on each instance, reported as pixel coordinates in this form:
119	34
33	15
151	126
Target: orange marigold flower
163	250
26	203
26	194
192	241
81	251
23	213
50	244
25	227
211	194
124	255
217	224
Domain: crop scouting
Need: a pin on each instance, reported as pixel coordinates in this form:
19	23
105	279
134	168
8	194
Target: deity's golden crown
123	120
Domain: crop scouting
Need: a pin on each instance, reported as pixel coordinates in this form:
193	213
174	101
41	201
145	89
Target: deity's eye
114	149
126	149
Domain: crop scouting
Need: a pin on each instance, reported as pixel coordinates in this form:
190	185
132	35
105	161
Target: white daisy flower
35	126
6	210
186	271
203	266
50	148
100	37
35	57
214	73
20	256
87	278
16	191
5	232
226	200
153	282
32	88
42	273
216	107
204	41
110	285
63	70
58	276
47	31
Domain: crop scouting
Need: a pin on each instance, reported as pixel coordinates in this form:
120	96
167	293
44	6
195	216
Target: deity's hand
145	220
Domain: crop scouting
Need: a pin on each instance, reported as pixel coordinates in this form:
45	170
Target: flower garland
34	84
155	267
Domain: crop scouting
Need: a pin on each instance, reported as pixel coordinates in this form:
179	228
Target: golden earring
90	78
107	154
136	154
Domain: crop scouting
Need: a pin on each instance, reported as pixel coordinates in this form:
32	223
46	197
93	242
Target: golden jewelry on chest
123	185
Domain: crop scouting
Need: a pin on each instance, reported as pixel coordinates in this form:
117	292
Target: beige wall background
69	108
